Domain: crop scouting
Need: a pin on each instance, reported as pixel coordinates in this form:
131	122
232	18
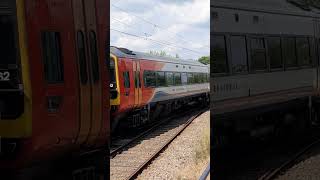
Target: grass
200	159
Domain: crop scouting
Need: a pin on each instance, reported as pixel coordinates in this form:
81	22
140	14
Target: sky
175	26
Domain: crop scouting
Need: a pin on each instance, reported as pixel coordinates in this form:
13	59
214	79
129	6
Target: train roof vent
126	51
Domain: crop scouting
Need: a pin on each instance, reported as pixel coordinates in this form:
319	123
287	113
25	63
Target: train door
94	70
88	75
137	83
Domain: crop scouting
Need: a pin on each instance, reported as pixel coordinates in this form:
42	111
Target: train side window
289	52
190	78
274	51
219	54
94	56
82	57
313	51
239	58
161	80
258	54
196	78
177	79
303	51
169	78
52	57
149	78
184	78
126	78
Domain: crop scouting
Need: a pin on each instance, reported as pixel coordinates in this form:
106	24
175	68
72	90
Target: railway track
128	160
263	160
274	173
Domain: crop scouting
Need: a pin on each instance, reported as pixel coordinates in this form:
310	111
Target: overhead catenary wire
157	41
156	25
148	39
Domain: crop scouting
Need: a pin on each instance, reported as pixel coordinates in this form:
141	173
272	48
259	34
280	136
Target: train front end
15	91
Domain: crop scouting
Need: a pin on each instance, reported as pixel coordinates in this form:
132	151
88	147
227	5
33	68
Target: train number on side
4	76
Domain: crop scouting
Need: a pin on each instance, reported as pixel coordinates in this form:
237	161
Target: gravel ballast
178	161
307	169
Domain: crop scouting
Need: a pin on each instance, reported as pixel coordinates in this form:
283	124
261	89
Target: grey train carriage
265	68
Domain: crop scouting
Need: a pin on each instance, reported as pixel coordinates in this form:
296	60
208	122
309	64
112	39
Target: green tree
204	59
162	54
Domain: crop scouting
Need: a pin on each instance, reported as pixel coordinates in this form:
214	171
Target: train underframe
151	112
273	120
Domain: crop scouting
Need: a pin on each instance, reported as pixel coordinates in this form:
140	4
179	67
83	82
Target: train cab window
51	47
303	51
8	41
82	57
289	52
149	78
94	56
239	54
219	54
113	81
177	79
184	78
274	51
258	54
126	79
161	80
169	78
190	78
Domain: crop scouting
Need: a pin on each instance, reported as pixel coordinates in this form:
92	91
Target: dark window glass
126	79
303	51
196	77
177	79
236	17
7	40
289	52
94	56
149	78
137	82
313	51
82	58
190	78
274	51
184	78
219	55
169	78
53	67
258	54
239	54
161	80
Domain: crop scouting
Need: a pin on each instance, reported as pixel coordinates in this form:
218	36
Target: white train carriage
265	64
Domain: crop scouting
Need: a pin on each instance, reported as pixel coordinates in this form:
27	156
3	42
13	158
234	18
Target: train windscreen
11	91
113	81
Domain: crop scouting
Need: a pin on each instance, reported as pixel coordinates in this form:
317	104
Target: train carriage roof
290	7
125	53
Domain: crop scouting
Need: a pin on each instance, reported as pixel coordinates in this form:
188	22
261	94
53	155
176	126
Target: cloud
182	25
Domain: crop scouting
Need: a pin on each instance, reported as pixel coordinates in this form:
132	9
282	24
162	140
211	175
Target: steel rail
272	174
163	147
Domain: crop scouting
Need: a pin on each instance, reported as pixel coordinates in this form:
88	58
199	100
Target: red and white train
143	86
53	76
